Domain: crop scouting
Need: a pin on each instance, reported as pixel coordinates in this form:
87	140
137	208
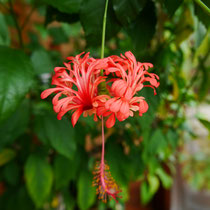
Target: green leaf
12	173
118	169
155	143
6	155
15	125
153	183
91	16
201	52
205	123
172	138
16	198
4	32
41	61
68	200
67	6
39	177
200	34
64	171
86	193
184	26
127	11
203	48
16	77
143	28
59	133
3	1
148	189
172	6
164	177
59	35
54	14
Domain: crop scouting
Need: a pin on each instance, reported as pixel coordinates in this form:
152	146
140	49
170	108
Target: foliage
45	163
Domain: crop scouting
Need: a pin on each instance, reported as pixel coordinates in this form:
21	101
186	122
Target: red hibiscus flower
76	87
129	78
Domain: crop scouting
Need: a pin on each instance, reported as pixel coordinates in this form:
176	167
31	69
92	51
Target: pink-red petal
143	107
111	121
76	116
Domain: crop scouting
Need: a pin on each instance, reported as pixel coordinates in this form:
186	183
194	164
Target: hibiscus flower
76	87
128	79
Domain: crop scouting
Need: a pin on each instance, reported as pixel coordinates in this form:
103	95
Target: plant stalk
203	6
102	56
104	29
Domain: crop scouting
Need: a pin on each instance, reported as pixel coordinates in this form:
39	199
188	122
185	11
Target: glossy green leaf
15	125
39	177
67	6
86	193
59	133
16	77
4	32
143	28
6	155
41	61
127	11
64	171
91	16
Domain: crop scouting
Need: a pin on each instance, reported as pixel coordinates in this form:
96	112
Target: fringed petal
76	116
49	91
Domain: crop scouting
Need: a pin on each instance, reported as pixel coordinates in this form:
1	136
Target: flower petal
143	107
76	116
124	109
49	91
115	106
111	121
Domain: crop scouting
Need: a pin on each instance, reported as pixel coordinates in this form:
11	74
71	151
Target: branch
28	17
12	12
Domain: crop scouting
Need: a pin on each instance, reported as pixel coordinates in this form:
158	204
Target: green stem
104	84
104	30
102	87
203	6
16	24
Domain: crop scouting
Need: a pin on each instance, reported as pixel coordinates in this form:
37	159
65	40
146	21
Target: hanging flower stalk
77	90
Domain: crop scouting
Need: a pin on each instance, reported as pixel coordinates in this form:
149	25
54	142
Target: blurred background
161	161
